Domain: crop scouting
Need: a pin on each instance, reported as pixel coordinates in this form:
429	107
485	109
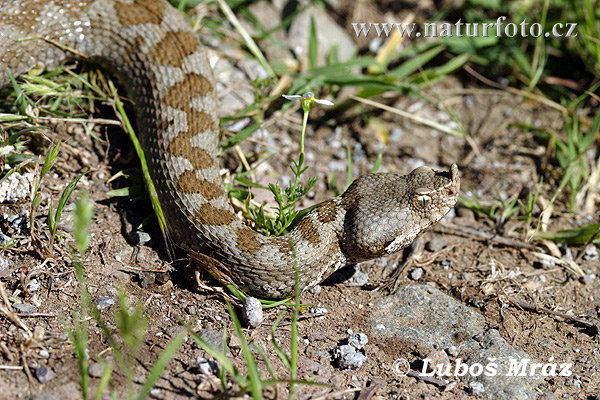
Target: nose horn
454	172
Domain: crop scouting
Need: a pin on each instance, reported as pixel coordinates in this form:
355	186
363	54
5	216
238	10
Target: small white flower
307	97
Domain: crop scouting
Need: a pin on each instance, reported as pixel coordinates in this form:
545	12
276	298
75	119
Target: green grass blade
160	364
577	236
239	137
313	46
66	195
253	373
162	222
413	64
104	380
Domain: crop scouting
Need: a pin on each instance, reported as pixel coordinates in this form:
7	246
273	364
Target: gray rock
426	317
96	370
190	310
476	388
139	237
207	367
147	278
252	312
315	289
588	278
591	253
315	336
358	340
44	374
352	360
502	385
174	330
213	337
329	33
437	243
16	187
548	396
416	274
34	285
359	278
347	357
4	263
315	370
4	239
318	310
437	359
469	101
105	301
24	308
45	396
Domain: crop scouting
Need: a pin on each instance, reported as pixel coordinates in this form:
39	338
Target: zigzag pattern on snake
149	46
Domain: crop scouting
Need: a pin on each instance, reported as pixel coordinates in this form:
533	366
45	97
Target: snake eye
423	197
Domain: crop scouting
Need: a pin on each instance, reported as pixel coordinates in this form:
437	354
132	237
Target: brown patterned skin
151	49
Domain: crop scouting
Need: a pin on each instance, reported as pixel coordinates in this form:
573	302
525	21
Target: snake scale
153	52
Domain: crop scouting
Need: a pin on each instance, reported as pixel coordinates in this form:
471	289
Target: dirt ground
472	266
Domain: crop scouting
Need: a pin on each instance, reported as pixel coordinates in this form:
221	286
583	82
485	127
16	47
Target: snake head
386	212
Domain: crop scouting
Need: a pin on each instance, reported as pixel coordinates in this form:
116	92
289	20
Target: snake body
149	46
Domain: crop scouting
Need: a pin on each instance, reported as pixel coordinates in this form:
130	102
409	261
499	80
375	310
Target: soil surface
489	265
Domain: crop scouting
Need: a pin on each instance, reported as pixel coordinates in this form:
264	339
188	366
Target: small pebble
190	310
24	308
105	301
44	374
477	387
147	278
548	396
207	367
315	289
437	357
96	370
359	278
588	278
44	353
3	262
358	340
452	350
416	274
45	396
318	310
213	337
34	285
469	101
315	336
139	237
174	330
348	358
252	312
476	302
352	360
591	253
436	244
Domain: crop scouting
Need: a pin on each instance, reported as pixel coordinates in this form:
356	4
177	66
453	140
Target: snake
162	65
